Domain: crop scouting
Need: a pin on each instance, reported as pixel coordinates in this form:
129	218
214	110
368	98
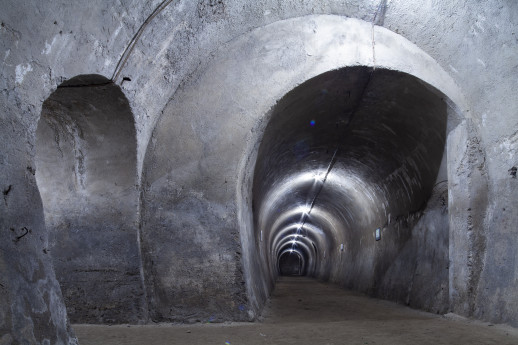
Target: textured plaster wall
86	174
418	275
479	57
43	43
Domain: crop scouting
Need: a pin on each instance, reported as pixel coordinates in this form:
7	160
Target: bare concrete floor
303	311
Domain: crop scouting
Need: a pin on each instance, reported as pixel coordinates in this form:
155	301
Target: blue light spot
312	123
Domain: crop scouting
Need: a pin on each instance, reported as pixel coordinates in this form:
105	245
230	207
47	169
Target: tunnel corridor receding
345	153
291	263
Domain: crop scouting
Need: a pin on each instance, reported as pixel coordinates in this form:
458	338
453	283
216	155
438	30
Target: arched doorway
86	175
291	263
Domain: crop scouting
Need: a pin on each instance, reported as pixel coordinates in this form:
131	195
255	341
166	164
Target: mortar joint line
120	65
334	157
129	48
381	5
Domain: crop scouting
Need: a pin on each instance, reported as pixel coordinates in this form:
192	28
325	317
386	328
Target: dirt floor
303	311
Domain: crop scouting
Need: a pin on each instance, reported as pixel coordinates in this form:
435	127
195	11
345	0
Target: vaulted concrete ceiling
343	154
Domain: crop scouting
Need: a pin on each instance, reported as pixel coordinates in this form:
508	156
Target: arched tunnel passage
291	263
86	176
345	153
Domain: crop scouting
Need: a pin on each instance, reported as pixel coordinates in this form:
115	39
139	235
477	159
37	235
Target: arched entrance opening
348	155
291	263
86	175
353	140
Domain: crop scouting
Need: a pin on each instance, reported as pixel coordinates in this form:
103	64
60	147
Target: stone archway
218	118
86	175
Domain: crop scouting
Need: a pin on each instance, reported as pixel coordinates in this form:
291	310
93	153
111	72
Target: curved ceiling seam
315	235
310	231
382	4
294	237
312	228
332	162
294	245
303	249
129	49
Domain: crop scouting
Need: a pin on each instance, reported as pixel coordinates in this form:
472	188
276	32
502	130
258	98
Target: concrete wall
86	174
44	43
190	238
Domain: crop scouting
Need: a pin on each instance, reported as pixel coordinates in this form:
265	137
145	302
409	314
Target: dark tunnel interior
345	153
291	263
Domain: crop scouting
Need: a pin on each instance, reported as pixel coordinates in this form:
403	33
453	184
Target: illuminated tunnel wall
348	152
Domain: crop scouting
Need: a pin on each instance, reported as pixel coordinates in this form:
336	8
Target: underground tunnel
345	154
207	161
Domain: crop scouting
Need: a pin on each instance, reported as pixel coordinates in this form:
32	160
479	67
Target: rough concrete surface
154	199
85	170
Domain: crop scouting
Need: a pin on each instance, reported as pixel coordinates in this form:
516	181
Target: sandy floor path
303	311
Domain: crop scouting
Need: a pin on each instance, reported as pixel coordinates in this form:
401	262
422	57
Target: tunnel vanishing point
166	161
